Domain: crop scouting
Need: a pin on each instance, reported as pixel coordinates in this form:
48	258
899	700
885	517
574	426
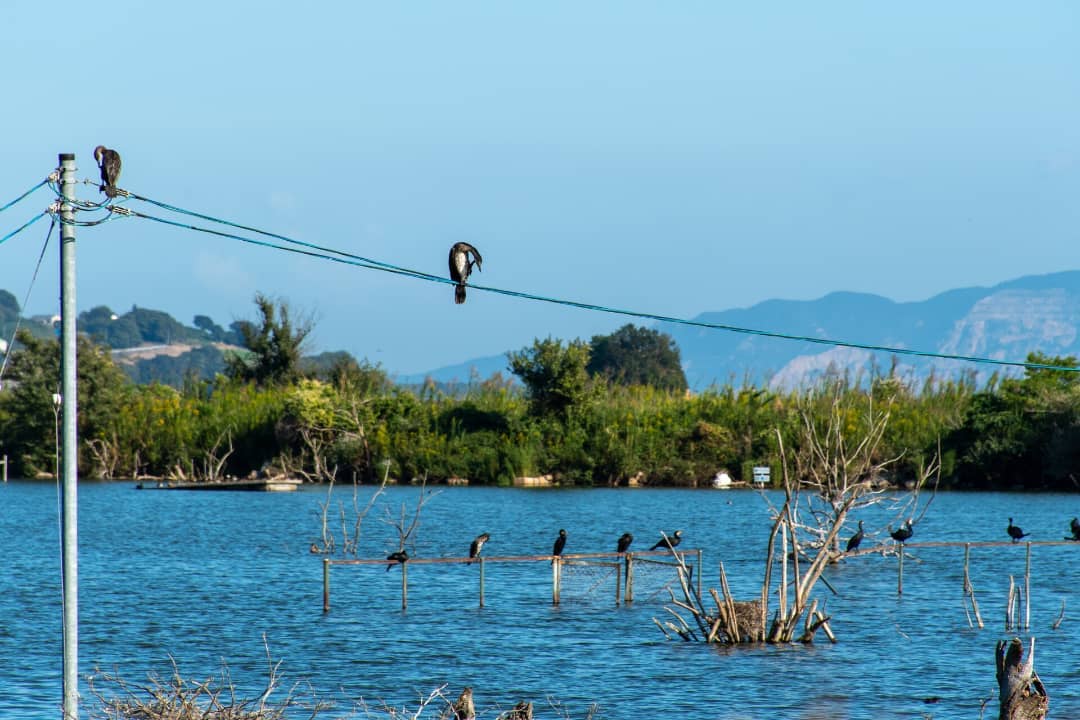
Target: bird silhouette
560	543
624	542
477	545
1074	527
669	542
461	265
396	558
902	533
854	541
1015	532
109	163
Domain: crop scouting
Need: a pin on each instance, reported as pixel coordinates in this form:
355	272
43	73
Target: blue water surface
202	579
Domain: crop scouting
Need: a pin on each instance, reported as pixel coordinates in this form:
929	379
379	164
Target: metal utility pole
69	463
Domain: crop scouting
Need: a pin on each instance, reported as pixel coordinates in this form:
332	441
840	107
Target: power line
25	194
25	225
26	300
343	257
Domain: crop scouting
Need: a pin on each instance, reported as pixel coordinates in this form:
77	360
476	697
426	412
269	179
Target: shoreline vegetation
611	412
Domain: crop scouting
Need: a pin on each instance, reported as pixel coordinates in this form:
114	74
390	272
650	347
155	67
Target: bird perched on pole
462	258
477	545
1014	532
624	542
668	542
1074	527
109	163
396	558
903	533
560	543
854	540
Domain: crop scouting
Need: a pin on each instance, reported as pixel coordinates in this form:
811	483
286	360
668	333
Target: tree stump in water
1023	696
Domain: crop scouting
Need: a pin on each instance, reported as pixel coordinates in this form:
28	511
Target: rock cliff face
1005	322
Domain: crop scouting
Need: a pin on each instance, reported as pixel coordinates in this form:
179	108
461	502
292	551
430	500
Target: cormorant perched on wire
624	543
560	543
461	266
109	163
478	545
1074	526
902	533
853	542
668	542
1015	532
396	558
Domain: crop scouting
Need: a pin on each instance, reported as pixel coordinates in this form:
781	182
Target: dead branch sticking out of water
1023	696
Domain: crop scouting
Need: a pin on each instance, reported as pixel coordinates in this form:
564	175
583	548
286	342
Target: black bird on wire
669	542
477	545
903	533
396	558
560	543
1074	527
461	265
1015	532
854	541
624	542
109	163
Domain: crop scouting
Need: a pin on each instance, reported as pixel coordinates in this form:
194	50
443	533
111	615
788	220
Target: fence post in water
628	594
618	582
556	579
481	582
1027	589
900	573
699	572
4	462
404	586
326	585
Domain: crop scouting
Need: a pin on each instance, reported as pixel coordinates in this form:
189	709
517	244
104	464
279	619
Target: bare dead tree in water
835	468
350	541
404	525
1022	694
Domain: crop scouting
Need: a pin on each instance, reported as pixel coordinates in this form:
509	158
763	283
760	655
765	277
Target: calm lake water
202	577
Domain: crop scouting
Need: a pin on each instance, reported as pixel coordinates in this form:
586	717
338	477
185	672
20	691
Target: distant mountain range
1004	322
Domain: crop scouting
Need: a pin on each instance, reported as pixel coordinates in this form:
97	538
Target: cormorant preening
624	543
560	543
463	706
109	163
461	266
1074	526
668	542
478	545
396	558
853	542
1015	532
902	533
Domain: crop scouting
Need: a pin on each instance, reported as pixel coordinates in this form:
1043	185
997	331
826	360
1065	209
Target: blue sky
672	158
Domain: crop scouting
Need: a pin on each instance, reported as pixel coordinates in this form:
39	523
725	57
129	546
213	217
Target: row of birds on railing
463	256
666	542
903	533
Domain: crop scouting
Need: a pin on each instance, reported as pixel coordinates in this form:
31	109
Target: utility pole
70	466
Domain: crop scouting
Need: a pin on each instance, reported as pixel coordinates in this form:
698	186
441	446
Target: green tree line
600	412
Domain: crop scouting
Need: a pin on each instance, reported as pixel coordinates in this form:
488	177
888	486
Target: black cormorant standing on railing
854	540
624	543
1015	532
560	543
478	545
668	542
396	558
461	265
903	533
109	163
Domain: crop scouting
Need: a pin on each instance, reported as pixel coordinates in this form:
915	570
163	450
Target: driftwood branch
1023	696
